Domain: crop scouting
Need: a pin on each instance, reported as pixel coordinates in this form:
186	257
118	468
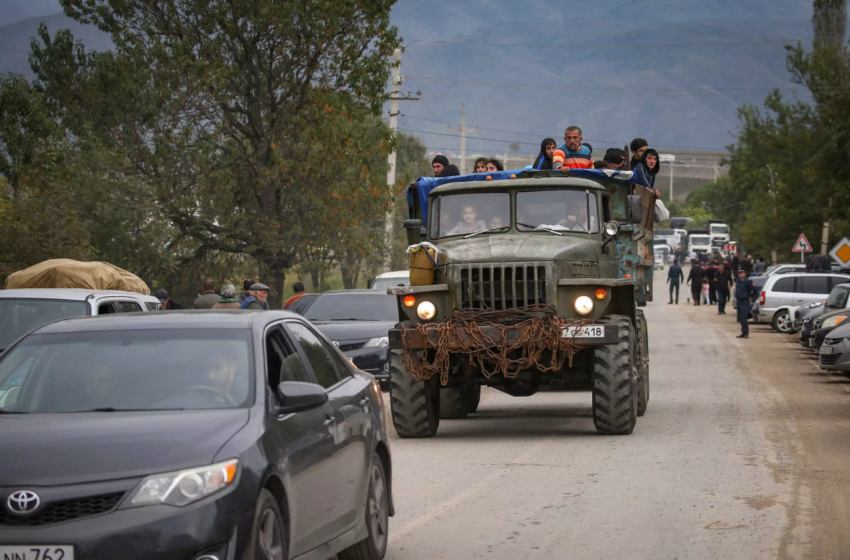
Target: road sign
802	245
841	251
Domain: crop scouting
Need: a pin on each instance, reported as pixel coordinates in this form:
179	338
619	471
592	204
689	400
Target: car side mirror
296	396
634	209
414	227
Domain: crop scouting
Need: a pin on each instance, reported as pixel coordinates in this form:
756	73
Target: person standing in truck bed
572	154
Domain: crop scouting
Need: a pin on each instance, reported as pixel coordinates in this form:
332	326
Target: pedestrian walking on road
745	292
674	277
710	271
208	298
760	267
228	298
706	290
722	283
748	265
695	278
259	298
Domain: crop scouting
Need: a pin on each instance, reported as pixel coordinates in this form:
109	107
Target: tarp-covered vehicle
535	281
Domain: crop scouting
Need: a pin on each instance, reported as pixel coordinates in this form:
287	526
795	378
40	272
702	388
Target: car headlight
833	321
380	342
584	305
181	488
426	310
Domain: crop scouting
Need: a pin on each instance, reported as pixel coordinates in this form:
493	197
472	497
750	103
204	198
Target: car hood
521	248
841	331
340	331
73	448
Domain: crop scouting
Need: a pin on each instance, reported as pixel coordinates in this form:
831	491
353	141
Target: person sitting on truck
572	154
470	223
481	165
438	163
652	165
449	171
494	165
547	150
638	146
614	158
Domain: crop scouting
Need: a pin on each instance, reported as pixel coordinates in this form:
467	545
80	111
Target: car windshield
560	210
384	283
700	240
127	370
719	229
20	316
468	213
353	307
837	298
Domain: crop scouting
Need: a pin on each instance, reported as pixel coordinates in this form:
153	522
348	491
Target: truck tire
615	383
642	362
474	397
454	403
415	404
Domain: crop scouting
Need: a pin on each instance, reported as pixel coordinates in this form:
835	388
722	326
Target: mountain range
659	69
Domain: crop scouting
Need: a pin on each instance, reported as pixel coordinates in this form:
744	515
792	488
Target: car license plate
589	331
37	552
827	350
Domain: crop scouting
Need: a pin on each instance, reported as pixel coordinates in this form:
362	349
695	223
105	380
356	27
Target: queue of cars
813	305
204	435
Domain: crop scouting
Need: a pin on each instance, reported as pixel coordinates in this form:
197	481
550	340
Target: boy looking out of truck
470	223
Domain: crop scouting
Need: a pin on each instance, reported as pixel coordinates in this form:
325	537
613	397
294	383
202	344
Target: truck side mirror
414	227
634	209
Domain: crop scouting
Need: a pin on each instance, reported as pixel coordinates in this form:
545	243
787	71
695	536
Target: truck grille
498	287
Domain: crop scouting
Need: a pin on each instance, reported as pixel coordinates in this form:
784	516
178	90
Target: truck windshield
719	229
463	214
700	240
562	210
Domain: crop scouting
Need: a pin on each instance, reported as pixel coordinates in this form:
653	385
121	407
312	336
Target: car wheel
374	546
269	539
782	322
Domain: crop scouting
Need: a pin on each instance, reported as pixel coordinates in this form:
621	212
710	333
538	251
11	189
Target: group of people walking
712	283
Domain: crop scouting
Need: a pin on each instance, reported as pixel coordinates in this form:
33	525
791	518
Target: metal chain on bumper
540	330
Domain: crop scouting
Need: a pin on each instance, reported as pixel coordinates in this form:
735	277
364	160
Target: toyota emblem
23	501
336	343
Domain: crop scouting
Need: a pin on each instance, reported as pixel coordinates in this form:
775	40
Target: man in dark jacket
722	283
748	264
745	293
695	277
674	277
638	146
246	291
438	163
209	298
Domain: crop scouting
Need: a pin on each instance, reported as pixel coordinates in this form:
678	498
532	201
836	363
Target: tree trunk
314	278
277	276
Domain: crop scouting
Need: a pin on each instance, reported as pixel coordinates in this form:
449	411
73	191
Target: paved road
721	466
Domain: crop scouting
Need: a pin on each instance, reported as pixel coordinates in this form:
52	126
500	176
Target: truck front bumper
428	337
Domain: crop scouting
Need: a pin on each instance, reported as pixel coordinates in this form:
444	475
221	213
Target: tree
238	113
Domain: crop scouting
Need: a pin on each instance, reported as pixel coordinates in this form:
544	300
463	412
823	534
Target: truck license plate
827	350
589	331
37	552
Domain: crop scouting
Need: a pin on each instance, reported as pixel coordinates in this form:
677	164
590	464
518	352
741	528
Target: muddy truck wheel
614	380
454	403
414	404
642	361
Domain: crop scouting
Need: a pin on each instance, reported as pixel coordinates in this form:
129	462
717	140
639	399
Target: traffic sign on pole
802	245
841	252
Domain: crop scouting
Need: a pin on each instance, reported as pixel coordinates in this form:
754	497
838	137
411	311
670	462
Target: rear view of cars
783	293
190	435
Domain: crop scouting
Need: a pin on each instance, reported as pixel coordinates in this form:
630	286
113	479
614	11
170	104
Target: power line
425	101
650	46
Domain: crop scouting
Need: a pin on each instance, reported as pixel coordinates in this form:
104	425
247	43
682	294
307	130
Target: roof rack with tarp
67	273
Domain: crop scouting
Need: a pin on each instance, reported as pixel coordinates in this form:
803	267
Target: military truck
538	277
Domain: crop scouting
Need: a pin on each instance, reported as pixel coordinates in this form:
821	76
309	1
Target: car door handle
329	421
364	402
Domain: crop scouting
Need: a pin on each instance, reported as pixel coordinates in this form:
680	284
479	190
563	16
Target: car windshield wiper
113	409
11	412
540	228
486	231
352	319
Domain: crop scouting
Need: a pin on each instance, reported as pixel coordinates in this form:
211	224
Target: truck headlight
584	305
612	229
426	310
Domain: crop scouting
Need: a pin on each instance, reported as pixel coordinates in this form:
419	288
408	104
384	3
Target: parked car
301	304
358	322
784	292
760	280
825	324
193	435
834	353
390	280
803	317
24	310
838	301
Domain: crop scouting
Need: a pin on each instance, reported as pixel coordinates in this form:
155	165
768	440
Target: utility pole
671	181
398	79
827	227
773	190
463	130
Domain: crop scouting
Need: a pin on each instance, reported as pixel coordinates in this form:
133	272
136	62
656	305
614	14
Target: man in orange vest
298	288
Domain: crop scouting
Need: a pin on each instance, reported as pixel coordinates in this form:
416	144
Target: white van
699	243
26	309
784	292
